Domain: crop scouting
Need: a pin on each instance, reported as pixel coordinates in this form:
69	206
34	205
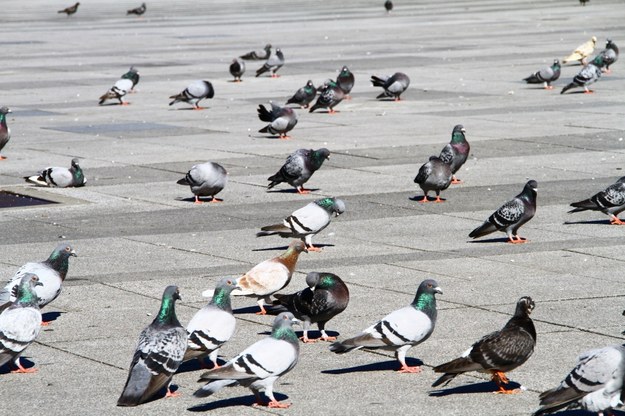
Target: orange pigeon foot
307	340
518	240
284	137
438	199
23	370
302	191
216	200
616	221
2	157
411	370
172	393
313	248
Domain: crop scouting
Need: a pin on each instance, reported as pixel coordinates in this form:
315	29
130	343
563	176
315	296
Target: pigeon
51	272
345	81
132	75
70	10
281	120
610	201
582	52
393	86
498	352
456	152
260	365
583	2
258	55
158	355
589	74
609	55
299	167
137	10
401	329
196	91
118	91
20	323
306	221
304	96
60	177
205	179
329	98
325	297
5	131
388	5
270	276
211	326
511	215
273	64
237	69
595	384
435	175
545	76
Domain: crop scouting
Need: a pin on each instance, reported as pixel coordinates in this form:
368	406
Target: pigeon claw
517	240
328	339
408	369
425	199
2	157
332	111
616	221
313	248
307	340
302	191
216	200
45	323
284	137
262	311
275	76
172	393
23	370
455	181
438	199
198	108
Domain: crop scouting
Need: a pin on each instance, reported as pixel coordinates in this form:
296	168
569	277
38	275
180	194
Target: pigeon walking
258	55
194	93
137	10
60	177
582	52
70	10
237	69
5	131
158	355
393	86
400	330
511	215
498	352
388	5
456	152
132	75
304	96
281	120
329	98
345	80
307	221
588	75
545	76
273	64
206	179
299	167
609	55
435	175
610	201
260	365
118	91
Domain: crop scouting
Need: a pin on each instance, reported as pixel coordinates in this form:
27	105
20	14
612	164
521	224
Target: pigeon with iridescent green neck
400	330
434	175
456	152
545	76
132	75
304	96
609	55
329	98
60	177
299	167
5	131
588	75
345	80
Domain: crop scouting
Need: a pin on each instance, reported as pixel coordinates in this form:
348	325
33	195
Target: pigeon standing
137	10
196	91
158	355
60	177
258	55
610	201
273	64
329	98
20	323
498	352
325	297
299	167
304	96
545	76
400	330
205	179
435	175
511	215
5	131
393	86
133	75
70	10
456	152
345	80
589	74
388	5
582	52
281	120
307	221
260	365
118	91
237	69
609	55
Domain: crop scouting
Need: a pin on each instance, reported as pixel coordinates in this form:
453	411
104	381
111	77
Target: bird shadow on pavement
246	400
579	412
205	200
597	222
248	310
282	248
483	387
419	198
289	191
392	365
50	317
489	240
8	367
194	365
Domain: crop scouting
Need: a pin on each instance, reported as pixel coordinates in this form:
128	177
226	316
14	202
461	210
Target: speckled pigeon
456	152
206	179
545	76
434	175
610	201
273	64
237	69
70	10
609	55
196	91
60	177
258	55
5	131
281	120
304	96
588	75
118	91
299	167
393	86
329	98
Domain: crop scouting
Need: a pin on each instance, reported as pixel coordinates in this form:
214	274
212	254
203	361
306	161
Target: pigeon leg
614	220
261	304
302	191
324	336
2	157
274	75
124	103
213	358
21	369
310	247
273	403
45	323
216	200
331	111
587	91
172	393
400	354
198	200
438	199
397	99
501	380
283	136
197	107
425	199
517	240
455	180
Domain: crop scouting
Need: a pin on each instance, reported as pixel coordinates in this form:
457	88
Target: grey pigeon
609	54
194	93
329	98
325	297
304	96
401	329
456	152
388	5
158	355
20	323
258	55
273	64
133	75
498	352
70	10
345	80
206	179
434	175
299	167
595	384
588	75
393	86
212	326
237	69
511	215
60	177
546	75
610	201
260	365
137	10
307	221
5	131
118	91
281	120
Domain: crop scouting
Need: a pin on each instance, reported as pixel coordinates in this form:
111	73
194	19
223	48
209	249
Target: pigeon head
321	280
5	110
318	156
297	246
594	39
332	205
531	188
524	307
26	290
167	313
75	163
221	296
283	328
425	299
268	46
345	70
312	279
59	258
457	135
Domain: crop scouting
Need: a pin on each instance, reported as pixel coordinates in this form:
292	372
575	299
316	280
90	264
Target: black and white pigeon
401	329
511	215
498	352
325	297
60	177
260	365
610	201
213	325
306	221
137	10
273	64
158	355
588	75
299	167
118	91
609	55
546	75
194	93
456	152
206	179
281	120
595	384
345	80
70	10
388	5
304	96
5	131
329	98
258	55
237	69
133	75
393	86
434	175
20	323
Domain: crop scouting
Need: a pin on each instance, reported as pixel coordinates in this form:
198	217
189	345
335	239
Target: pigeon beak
38	283
438	290
73	253
296	321
9	111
